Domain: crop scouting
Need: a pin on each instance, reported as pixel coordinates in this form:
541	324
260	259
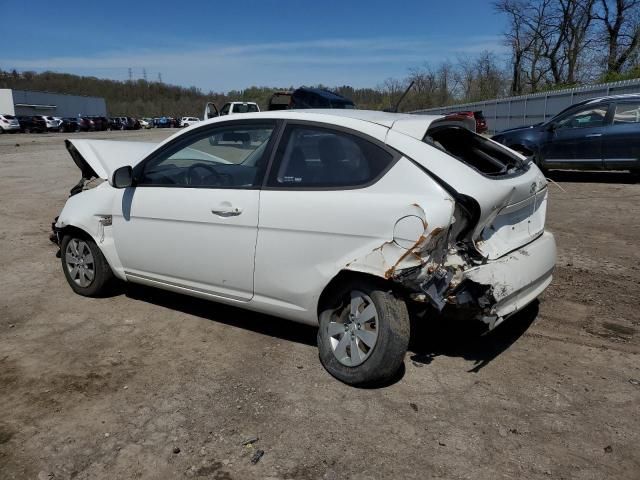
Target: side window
627	113
225	109
326	158
224	157
589	117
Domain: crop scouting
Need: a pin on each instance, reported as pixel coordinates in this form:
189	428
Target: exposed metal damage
444	269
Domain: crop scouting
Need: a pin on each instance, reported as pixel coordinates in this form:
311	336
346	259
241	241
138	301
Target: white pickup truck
211	111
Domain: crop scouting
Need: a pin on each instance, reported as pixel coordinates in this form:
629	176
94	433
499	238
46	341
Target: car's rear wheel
84	266
364	333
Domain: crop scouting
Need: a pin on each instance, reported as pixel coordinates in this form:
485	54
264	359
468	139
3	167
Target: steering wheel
191	175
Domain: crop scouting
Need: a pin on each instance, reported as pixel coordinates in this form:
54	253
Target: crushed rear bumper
515	279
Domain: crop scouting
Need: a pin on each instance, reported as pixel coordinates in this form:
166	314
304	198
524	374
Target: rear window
473	150
244	108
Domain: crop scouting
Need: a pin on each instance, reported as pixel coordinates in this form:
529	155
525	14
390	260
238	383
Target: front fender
90	211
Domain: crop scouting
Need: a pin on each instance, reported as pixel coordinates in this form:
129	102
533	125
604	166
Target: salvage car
305	97
188	121
478	118
32	124
52	123
9	124
69	124
333	218
597	134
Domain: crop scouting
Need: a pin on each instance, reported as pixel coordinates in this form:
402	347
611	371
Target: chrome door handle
227	211
593	135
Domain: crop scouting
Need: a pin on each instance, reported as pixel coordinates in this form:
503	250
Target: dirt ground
152	385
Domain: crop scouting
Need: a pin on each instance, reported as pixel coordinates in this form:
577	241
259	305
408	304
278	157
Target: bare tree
620	20
549	39
577	16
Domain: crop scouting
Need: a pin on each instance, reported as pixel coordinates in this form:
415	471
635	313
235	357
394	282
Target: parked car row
44	123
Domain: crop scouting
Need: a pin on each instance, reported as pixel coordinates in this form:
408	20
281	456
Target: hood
99	158
518	129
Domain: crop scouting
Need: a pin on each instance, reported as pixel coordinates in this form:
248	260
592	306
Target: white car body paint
9	124
287	245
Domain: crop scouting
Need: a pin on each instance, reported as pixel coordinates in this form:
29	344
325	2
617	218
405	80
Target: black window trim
184	140
274	163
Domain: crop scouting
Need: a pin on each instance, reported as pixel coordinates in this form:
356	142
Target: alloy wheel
353	330
80	262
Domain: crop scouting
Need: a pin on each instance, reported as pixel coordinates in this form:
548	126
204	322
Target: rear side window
627	113
326	158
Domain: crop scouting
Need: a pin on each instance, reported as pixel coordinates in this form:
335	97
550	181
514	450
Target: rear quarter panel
306	237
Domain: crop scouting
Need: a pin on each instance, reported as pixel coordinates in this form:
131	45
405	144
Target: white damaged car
332	218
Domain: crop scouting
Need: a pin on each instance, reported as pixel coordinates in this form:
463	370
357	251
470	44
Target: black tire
385	358
102	274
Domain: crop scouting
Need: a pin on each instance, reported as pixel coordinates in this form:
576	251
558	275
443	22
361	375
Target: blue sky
235	44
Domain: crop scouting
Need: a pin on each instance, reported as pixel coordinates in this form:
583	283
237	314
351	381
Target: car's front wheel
84	266
364	334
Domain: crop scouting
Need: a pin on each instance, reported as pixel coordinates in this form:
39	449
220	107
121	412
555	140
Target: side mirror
551	127
122	177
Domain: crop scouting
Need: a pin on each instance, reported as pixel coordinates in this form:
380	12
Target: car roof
413	125
329	95
624	96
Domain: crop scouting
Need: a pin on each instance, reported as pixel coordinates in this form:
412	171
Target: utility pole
159	77
130	74
144	74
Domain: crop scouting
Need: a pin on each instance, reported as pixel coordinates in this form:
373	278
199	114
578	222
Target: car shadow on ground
468	339
429	339
225	314
591	176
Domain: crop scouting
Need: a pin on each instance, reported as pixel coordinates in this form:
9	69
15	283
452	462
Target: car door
210	111
191	220
621	146
575	141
